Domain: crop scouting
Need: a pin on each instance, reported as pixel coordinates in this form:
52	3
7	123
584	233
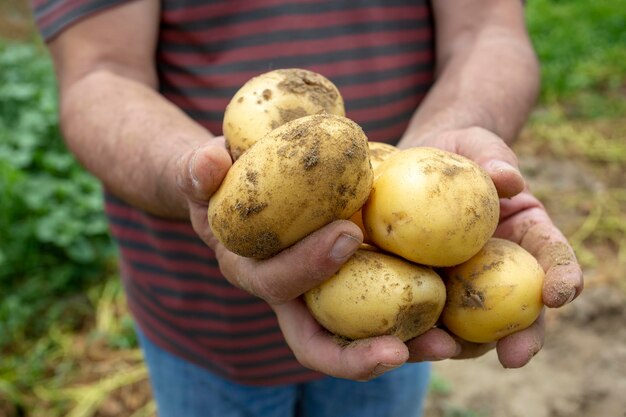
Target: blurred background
67	346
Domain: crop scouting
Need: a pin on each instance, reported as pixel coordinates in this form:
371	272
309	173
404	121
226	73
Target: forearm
129	136
490	79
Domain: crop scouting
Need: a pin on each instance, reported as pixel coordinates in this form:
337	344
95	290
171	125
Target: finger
437	344
434	345
517	349
564	277
317	349
470	350
296	269
201	171
489	151
200	223
507	178
492	153
532	228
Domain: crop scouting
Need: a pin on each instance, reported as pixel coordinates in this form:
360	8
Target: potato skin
269	100
379	152
300	177
375	294
495	293
431	207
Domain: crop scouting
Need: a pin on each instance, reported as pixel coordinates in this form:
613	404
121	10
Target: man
143	85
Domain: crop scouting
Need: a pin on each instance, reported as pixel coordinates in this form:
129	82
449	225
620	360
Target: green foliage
53	235
582	48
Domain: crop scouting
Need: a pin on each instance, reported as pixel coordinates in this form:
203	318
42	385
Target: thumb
200	171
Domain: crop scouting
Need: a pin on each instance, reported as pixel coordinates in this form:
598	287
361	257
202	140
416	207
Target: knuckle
239	272
477	131
270	290
506	153
259	285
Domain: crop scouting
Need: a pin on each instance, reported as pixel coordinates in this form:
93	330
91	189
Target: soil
320	90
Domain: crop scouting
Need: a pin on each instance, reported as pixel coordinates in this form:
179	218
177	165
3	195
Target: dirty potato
300	177
274	98
379	152
495	293
375	294
431	207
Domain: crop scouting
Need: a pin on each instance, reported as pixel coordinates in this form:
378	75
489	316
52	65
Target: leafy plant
53	234
580	44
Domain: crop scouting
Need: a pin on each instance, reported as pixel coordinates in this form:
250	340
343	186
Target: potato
431	207
300	177
375	294
379	152
271	99
495	293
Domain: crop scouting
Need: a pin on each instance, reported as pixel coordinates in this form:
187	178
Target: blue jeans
182	389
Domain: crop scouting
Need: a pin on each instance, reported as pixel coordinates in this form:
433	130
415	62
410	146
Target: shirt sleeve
53	16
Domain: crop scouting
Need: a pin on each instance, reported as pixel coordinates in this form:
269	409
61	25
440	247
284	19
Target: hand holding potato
297	178
281	279
276	226
523	220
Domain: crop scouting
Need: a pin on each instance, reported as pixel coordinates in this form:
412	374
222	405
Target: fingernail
502	167
344	246
571	297
382	368
192	169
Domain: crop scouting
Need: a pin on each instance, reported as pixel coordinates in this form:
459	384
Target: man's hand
523	220
281	279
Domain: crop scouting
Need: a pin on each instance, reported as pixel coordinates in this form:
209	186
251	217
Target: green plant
54	237
580	44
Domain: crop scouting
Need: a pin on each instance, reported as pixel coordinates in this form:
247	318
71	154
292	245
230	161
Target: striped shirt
379	53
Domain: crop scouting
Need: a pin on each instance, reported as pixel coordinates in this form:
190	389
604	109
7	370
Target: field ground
573	153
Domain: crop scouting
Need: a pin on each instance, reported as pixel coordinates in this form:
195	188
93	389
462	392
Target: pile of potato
428	217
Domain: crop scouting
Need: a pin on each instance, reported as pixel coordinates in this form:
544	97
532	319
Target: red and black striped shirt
379	53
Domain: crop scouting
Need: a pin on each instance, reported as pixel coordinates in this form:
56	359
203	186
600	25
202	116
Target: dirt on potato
305	82
300	177
379	153
287	115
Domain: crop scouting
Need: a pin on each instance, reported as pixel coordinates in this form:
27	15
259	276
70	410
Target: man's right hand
281	280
